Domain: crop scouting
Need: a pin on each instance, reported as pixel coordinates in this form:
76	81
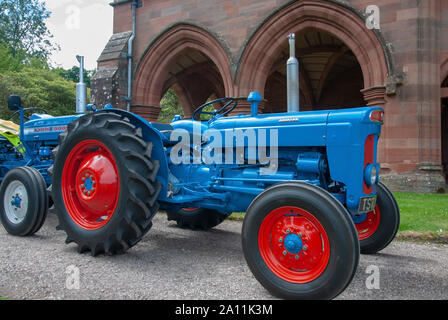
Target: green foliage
23	28
38	88
170	107
73	74
19	60
8	62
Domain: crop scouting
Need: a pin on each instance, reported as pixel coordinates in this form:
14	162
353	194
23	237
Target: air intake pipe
292	74
81	88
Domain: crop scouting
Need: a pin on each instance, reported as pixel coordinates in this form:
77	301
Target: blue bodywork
323	148
39	136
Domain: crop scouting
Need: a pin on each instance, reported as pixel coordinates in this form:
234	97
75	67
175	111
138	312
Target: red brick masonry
236	43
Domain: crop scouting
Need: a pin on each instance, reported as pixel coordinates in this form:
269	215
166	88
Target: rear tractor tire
197	218
300	242
104	184
24	201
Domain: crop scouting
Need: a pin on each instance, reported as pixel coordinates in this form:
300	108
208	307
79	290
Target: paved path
172	263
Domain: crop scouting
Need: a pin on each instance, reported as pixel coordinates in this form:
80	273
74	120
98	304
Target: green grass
423	212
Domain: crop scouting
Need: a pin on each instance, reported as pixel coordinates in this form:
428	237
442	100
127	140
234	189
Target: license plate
367	204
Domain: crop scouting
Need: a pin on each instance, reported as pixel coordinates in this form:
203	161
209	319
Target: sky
79	27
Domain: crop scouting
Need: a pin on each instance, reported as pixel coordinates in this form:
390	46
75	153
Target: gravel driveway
172	263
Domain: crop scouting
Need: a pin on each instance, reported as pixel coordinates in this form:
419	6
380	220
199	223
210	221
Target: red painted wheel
300	242
90	184
105	186
380	226
369	226
294	244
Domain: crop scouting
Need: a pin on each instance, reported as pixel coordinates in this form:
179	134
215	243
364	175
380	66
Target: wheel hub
293	243
16	202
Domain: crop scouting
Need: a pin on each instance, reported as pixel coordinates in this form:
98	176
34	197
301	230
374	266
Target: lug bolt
285	253
297	257
280	240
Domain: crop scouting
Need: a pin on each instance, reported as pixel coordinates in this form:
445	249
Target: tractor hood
45	127
311	128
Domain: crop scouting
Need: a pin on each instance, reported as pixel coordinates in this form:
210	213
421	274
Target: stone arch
153	68
336	19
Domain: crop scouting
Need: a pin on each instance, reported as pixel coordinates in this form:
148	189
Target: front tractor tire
24	201
300	242
104	184
378	228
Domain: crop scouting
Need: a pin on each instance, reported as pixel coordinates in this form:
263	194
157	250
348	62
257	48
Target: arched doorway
187	60
330	75
194	78
339	28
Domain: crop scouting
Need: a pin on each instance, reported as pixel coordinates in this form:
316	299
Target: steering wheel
28	109
228	107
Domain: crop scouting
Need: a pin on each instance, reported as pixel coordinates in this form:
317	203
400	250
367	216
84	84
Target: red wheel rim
90	184
370	224
307	257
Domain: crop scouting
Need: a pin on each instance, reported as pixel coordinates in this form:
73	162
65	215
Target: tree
38	88
170	107
73	74
23	28
8	62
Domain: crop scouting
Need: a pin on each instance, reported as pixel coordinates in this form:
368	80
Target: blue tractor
25	156
307	181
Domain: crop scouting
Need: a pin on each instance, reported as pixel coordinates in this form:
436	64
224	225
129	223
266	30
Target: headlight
371	175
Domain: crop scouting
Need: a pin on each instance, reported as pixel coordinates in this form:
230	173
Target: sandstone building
395	57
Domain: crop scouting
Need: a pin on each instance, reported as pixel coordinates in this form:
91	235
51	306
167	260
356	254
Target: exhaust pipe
292	75
81	89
